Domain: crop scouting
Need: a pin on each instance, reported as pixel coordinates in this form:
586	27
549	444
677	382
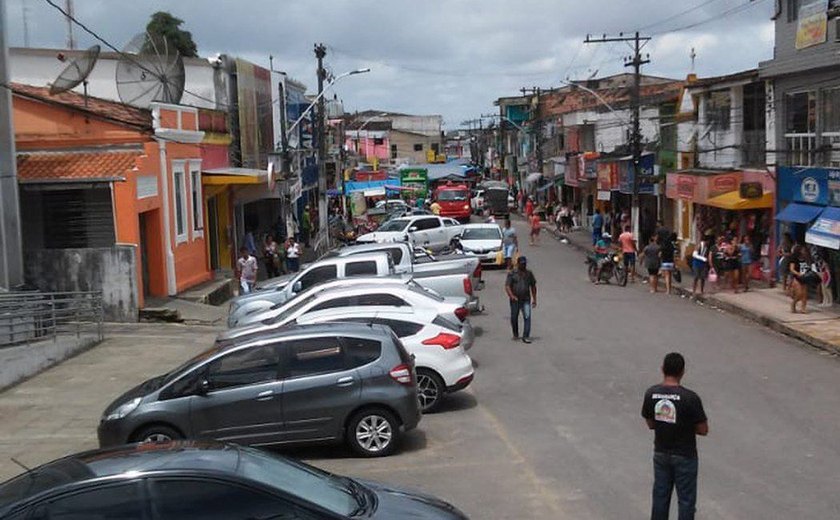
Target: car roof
111	462
257	332
374	246
418	314
481	225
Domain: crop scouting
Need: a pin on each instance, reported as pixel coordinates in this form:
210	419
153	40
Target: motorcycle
613	268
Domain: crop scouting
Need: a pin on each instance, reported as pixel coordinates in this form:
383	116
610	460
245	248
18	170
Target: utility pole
323	218
538	125
636	62
11	248
68	8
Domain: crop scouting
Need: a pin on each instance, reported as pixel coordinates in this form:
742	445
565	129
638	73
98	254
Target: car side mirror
203	387
296	288
412	229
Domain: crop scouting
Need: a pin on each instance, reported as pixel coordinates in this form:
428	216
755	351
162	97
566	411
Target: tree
167	26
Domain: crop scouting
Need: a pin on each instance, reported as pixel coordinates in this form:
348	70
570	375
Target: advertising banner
608	176
812	26
819	186
417	179
625	175
256	132
572	172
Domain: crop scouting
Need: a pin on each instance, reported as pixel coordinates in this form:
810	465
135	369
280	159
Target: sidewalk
820	327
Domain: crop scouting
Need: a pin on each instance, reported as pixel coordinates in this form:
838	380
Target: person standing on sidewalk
628	251
701	258
667	250
246	267
676	416
746	261
521	289
652	263
293	256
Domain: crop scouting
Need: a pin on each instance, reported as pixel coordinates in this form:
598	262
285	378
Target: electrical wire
677	15
731	11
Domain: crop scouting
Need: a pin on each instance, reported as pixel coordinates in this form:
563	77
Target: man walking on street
521	289
246	267
676	415
597	226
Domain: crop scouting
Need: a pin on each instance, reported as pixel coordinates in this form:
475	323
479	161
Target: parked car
270	300
429	271
284	288
428	231
437	344
482	241
372	295
392	204
192	480
318	383
477	202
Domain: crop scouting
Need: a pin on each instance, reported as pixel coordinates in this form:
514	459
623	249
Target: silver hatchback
306	384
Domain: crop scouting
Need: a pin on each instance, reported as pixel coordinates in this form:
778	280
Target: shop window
179	195
801	113
831	110
793	10
718	108
197	200
418	147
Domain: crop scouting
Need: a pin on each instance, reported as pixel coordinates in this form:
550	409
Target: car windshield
207	354
394	225
296	304
452	195
481	234
339	495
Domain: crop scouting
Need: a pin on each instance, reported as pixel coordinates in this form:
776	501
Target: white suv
439	345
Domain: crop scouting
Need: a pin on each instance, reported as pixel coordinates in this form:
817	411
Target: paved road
551	429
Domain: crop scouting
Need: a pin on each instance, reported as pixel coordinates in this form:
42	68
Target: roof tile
70	166
113	110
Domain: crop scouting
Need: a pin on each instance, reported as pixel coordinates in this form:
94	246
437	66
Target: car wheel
158	433
373	433
430	390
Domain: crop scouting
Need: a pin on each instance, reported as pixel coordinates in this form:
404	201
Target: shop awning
734	201
233	176
826	230
799	213
374	192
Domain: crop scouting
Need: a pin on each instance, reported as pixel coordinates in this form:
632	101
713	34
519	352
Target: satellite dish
150	69
76	72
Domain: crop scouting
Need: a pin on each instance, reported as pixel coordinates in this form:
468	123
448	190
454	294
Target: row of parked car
354	348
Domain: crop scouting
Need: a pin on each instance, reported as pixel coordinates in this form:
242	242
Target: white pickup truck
429	231
279	290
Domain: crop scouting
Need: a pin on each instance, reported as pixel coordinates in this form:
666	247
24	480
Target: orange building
111	197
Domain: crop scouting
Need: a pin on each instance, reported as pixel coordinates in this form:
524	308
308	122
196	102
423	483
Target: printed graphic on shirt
665	411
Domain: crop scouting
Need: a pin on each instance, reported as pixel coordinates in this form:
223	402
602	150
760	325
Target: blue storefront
809	209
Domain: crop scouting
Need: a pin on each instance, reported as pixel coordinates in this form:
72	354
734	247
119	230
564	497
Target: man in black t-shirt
521	289
676	415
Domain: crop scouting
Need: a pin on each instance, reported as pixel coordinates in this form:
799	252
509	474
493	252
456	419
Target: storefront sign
607	176
625	174
819	186
720	184
813	24
604	195
686	187
751	190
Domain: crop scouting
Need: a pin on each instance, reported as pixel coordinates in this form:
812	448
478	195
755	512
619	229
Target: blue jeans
671	471
596	236
523	306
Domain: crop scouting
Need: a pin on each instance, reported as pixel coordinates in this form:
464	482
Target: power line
731	11
677	15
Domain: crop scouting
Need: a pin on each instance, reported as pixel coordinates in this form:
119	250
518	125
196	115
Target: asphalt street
549	430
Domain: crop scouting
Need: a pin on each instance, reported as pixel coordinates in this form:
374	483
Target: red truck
454	200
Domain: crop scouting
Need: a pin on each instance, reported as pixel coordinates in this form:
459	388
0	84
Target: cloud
452	57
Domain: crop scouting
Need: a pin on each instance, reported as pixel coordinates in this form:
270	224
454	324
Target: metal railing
29	317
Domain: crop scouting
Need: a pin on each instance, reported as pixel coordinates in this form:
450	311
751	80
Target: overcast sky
452	57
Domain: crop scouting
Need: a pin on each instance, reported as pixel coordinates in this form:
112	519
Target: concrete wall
788	59
112	270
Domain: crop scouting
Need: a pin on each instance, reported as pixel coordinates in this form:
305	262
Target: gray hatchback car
306	384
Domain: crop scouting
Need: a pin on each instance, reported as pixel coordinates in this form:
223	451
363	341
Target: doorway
152	263
213	231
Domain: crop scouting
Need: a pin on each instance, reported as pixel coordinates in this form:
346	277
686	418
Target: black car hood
399	503
141	390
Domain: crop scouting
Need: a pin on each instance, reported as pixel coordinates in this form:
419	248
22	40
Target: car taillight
461	313
468	286
401	374
445	340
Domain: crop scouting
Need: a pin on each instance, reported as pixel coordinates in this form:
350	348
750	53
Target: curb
744	313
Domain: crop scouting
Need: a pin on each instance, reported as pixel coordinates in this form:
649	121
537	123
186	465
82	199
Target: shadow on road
456	402
412	441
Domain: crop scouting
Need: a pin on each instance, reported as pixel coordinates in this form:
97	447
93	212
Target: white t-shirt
293	251
248	268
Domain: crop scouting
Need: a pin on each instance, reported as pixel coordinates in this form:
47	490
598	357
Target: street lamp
319	96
